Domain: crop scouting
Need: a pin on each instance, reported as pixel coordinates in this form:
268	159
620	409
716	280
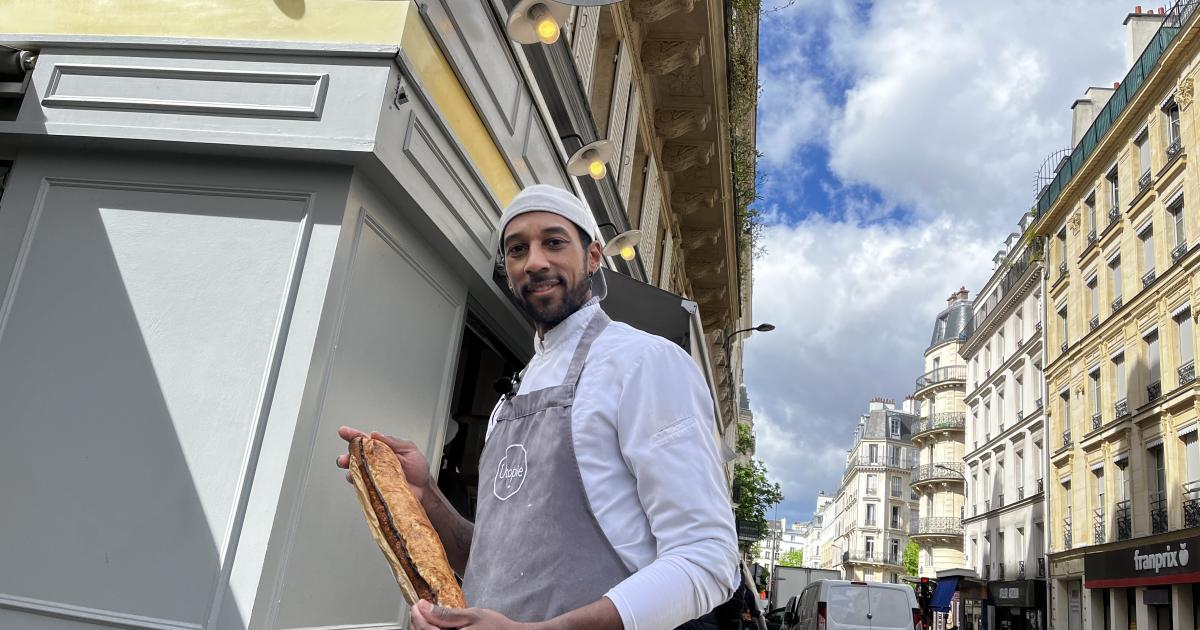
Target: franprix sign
1159	563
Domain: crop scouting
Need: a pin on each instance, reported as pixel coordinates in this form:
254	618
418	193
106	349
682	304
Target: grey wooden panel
397	327
583	44
622	83
651	202
664	273
136	333
629	143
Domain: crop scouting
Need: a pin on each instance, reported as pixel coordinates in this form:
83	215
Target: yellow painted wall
388	22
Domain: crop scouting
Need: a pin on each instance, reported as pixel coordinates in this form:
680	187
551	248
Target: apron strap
596	326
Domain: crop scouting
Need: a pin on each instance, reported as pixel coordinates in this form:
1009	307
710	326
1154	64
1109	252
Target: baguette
400	526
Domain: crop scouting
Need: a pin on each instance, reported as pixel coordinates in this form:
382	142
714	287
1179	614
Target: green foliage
758	495
745	439
742	54
791	558
910	558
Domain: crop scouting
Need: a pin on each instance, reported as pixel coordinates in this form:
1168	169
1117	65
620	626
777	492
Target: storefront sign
1161	563
1017	593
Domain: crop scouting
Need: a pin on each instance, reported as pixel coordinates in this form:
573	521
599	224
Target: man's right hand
414	464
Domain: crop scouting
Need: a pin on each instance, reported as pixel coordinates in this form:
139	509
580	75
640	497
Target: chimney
1139	28
1086	108
958	296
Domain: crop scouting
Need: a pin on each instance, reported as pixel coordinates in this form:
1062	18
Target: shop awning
647	307
943	593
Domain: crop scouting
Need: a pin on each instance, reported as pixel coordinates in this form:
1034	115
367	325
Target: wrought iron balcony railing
872	491
1116	304
1062	269
1020	569
939	470
1041	485
1191	504
1124	520
1121	409
1179	251
1114	213
1020	415
1153	391
1041	567
1020	492
1144	181
872	556
949	373
878	461
1092	237
937	525
1174	148
1067	531
939	421
1062	349
1066	438
1097	420
1187	372
1158	512
1148	279
1094	322
1098	526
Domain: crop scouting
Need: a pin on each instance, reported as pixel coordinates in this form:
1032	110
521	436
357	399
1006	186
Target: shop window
605	72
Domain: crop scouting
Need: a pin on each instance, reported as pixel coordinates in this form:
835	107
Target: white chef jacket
642	426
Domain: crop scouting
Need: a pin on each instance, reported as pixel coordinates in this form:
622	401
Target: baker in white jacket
601	498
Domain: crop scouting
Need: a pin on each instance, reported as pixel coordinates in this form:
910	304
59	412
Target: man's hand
414	464
426	616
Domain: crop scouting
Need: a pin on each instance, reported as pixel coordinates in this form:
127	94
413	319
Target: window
1019	327
1171	114
1114	280
895	517
1062	324
895	486
1114	190
1093	299
1000	404
1065	398
1000	347
1122	381
873	451
1191	452
1122	479
1094	390
895	426
1158	470
914	516
1147	237
1153	373
1143	145
1090	204
895	552
1098	505
1176	212
1019	469
1019	392
1062	248
1183	332
870	515
872	487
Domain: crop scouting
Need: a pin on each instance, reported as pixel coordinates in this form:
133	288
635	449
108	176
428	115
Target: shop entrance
482	360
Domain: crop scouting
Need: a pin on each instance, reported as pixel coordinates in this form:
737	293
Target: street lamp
759	328
622	244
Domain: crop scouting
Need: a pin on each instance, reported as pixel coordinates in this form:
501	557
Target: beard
547	316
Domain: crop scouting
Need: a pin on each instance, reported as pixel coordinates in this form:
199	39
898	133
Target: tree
757	495
910	558
791	558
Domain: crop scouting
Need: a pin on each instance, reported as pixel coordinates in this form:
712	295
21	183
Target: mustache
527	288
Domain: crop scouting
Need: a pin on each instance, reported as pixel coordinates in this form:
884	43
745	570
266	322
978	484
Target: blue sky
899	140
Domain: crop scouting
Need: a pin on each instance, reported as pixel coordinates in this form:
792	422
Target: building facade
1004	524
223	235
1120	225
874	498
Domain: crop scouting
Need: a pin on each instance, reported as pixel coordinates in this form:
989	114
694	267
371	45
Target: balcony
1114	213
1020	569
1174	148
1148	279
937	526
1062	269
1124	520
1066	438
942	375
1121	409
872	491
1091	237
877	462
1116	304
1158	512
1098	526
1020	415
1187	372
872	556
1178	252
952	471
1153	391
1191	504
1067	531
1094	322
1097	420
940	421
1144	182
1062	349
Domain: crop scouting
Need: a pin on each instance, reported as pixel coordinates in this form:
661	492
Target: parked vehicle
789	581
845	605
775	619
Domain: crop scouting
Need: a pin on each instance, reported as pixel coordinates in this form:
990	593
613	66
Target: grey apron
538	551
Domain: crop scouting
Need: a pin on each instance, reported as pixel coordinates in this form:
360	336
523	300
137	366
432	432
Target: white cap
546	198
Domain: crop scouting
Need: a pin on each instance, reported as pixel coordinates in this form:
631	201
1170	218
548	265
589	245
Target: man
601	499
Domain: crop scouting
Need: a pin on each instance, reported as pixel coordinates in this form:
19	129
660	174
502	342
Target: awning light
591	160
534	21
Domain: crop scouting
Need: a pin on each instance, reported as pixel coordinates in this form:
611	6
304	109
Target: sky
900	141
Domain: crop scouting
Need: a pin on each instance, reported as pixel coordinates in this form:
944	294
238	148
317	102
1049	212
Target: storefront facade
1153	585
1019	604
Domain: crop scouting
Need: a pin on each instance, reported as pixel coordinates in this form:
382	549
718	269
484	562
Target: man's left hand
426	616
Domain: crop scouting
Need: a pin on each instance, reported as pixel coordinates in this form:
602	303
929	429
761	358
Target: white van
844	605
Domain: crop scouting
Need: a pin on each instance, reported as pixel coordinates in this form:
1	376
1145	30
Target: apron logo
510	473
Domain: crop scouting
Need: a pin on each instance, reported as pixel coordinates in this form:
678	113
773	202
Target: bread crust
400	526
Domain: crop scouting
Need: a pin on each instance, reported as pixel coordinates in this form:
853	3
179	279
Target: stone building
1119	228
225	231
